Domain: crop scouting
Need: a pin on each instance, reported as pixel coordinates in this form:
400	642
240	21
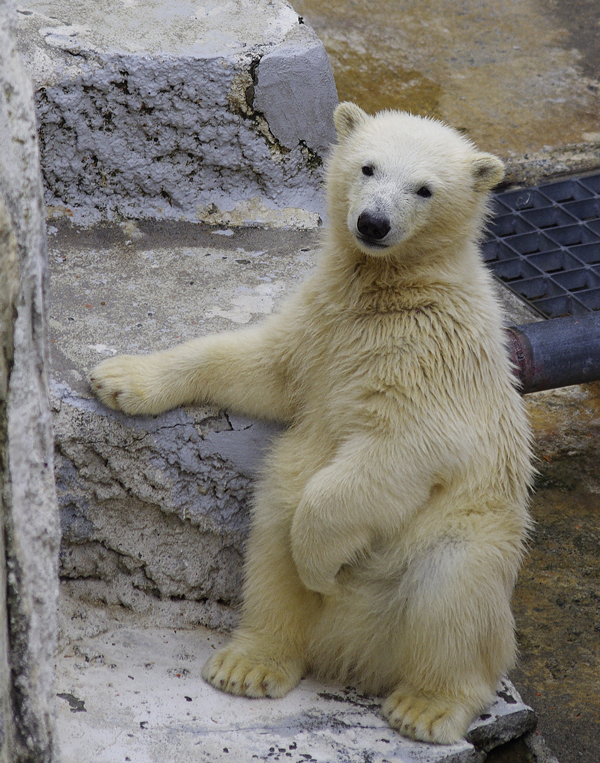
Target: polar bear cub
389	525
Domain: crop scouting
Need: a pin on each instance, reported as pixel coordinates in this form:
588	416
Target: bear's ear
347	117
488	171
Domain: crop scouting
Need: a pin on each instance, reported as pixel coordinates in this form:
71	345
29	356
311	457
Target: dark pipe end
556	353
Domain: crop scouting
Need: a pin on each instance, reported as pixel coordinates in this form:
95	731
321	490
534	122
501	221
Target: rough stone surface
8	298
137	694
219	112
154	510
29	519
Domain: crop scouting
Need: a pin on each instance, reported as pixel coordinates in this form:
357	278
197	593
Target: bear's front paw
426	717
237	671
119	384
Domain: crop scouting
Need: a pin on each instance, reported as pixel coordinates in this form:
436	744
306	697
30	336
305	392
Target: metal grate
544	244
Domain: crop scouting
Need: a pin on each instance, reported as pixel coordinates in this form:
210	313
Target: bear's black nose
372	226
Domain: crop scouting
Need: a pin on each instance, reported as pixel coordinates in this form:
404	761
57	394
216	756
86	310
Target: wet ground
519	77
557	600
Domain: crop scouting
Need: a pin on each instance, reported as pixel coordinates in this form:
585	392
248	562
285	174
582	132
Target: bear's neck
403	281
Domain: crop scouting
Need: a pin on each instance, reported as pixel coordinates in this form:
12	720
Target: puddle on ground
360	77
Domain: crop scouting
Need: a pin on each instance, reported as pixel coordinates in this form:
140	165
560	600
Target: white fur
389	524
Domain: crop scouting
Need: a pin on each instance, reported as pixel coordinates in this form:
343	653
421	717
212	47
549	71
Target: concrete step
155	509
137	694
220	112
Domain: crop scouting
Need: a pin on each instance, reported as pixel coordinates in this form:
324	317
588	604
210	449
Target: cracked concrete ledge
154	510
550	164
219	113
132	694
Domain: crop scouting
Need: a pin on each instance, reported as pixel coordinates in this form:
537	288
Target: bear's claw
235	671
427	718
117	382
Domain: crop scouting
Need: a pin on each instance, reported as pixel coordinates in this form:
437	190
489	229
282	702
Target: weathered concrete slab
155	509
137	694
29	528
219	112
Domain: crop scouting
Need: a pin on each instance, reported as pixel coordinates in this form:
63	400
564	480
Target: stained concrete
219	112
521	78
137	694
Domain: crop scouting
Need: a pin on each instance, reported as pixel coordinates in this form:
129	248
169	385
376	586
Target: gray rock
29	517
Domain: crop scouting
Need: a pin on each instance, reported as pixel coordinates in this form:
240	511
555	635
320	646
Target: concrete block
137	694
155	510
220	112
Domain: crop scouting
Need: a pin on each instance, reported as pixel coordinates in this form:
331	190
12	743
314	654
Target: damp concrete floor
519	77
557	599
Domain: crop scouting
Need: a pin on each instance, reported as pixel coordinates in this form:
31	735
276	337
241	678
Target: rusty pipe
556	353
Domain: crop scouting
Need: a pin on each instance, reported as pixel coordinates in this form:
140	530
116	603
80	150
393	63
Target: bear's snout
373	227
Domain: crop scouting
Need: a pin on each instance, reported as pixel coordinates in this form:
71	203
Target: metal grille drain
544	244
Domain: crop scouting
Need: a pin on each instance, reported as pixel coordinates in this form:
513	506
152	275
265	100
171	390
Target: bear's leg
243	371
456	639
267	654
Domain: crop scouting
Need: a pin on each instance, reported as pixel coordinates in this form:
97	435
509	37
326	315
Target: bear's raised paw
120	384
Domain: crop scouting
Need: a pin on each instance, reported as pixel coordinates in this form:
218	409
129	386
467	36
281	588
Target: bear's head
399	183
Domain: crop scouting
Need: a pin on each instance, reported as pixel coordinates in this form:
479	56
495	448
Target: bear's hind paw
428	718
234	670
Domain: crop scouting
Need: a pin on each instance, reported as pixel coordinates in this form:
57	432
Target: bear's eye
424	192
368	170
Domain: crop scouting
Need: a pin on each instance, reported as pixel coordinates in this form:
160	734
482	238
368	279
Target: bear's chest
356	353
